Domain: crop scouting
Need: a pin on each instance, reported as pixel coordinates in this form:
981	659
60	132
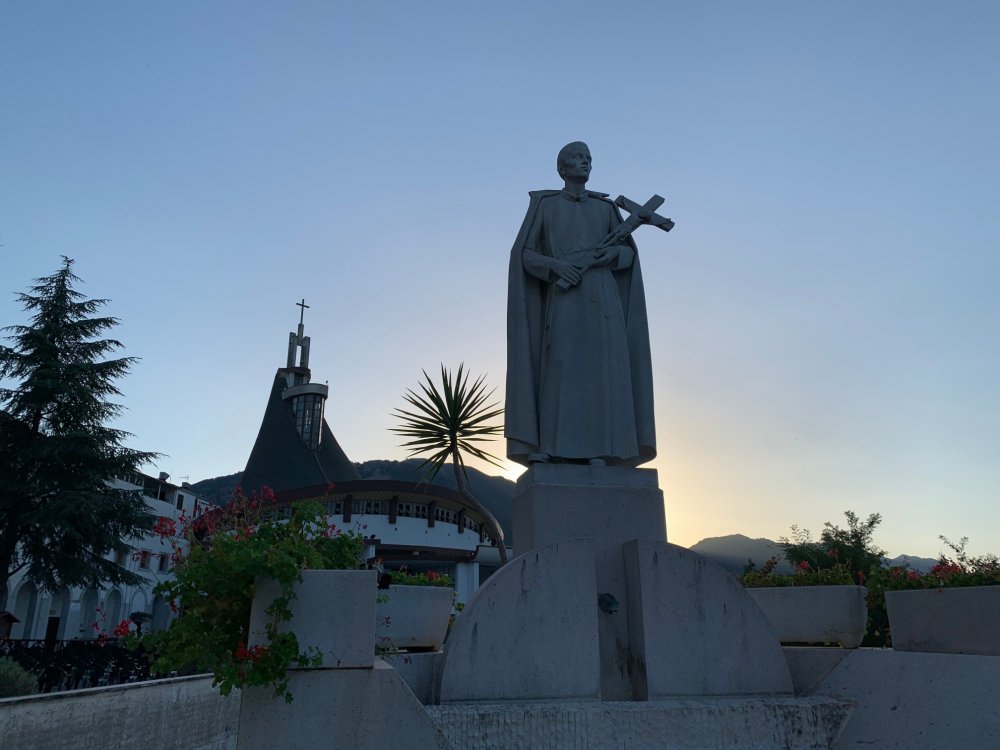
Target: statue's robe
579	377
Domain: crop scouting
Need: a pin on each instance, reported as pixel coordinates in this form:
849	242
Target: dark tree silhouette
61	518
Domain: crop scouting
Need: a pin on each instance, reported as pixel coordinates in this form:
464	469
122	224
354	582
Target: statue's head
574	161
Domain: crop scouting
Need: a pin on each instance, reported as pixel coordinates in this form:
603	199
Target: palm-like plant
447	422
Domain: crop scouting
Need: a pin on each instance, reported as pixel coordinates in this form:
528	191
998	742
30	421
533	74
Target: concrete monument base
679	724
600	607
609	505
529	632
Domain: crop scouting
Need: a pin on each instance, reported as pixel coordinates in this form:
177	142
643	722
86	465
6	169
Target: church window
309	418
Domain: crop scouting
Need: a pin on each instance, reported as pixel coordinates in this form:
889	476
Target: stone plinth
613	504
609	505
529	632
681	724
694	630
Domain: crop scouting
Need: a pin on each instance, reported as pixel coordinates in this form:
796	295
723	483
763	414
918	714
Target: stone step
738	723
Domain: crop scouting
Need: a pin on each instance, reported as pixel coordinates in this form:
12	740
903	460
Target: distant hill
733	551
217	490
922	564
496	493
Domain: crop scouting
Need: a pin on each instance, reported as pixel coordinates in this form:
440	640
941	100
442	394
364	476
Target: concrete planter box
946	621
815	614
417	617
333	610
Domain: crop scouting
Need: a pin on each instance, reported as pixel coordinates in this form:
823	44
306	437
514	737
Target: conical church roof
290	452
281	460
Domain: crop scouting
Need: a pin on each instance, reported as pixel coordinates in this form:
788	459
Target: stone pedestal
609	505
529	632
677	724
597	605
694	630
612	504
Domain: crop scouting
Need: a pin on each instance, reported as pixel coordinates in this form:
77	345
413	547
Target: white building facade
84	614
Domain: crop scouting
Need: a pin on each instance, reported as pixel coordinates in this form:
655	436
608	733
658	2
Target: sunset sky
823	317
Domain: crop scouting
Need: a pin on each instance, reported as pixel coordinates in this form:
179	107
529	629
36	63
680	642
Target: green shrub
410	578
15	680
215	580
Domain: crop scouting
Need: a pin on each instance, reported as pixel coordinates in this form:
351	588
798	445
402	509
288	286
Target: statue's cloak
526	305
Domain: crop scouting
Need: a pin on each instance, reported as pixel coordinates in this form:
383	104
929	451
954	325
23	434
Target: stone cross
303	305
638	215
297	340
644	214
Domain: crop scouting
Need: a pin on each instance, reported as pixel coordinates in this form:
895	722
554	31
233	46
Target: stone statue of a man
579	379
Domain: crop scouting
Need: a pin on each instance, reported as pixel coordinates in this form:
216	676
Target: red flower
433	575
122	629
253	653
803	566
945	569
164	527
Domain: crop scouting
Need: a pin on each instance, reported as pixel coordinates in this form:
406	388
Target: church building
422	526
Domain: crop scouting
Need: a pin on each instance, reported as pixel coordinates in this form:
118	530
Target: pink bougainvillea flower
165	527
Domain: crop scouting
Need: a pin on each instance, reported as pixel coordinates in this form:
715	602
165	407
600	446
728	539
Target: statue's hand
617	235
605	256
568	274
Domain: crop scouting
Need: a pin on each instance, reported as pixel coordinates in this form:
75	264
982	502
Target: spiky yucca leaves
448	422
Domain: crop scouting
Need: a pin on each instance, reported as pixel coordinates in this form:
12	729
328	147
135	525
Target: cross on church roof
299	340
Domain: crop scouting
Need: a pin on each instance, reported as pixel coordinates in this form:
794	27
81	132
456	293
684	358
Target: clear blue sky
823	317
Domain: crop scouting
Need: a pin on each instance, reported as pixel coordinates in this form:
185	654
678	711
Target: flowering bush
409	578
846	556
803	574
215	581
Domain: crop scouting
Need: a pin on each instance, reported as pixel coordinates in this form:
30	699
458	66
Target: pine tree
60	517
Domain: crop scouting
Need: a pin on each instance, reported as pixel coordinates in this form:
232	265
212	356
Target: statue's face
576	163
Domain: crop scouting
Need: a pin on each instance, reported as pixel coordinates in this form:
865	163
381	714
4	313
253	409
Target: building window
144	560
164	565
309	418
180	501
120	558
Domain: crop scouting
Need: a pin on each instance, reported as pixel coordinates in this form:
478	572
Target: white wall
183	713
